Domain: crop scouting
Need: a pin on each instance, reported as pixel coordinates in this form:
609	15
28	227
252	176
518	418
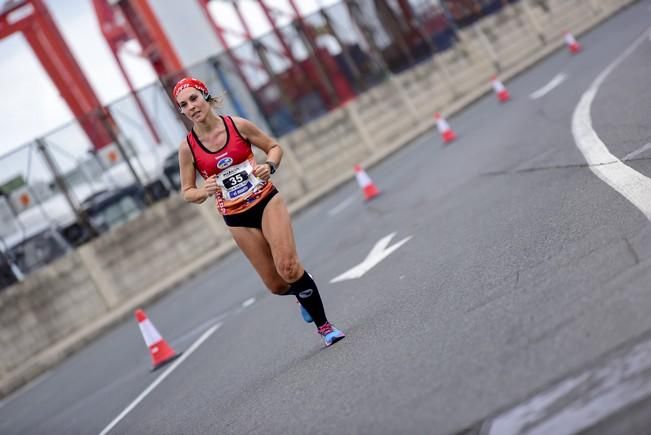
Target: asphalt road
524	270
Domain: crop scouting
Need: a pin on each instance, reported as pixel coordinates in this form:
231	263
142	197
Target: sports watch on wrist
272	166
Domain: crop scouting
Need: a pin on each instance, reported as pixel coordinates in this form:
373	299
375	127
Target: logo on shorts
305	293
224	163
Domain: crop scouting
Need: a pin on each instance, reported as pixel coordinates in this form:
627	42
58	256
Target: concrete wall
59	308
42	310
164	238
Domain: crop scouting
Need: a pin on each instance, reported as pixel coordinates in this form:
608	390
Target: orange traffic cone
444	129
368	187
501	92
572	44
160	351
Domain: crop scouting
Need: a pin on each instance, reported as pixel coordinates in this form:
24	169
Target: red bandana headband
190	82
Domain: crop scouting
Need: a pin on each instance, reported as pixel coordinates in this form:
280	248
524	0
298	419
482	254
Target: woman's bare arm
260	139
189	189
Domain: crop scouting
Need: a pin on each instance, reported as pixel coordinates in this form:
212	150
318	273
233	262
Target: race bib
237	180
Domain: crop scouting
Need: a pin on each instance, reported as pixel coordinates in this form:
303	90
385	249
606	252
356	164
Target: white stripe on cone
149	333
569	39
498	86
442	125
362	178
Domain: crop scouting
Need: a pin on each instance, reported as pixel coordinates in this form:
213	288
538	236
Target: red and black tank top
238	189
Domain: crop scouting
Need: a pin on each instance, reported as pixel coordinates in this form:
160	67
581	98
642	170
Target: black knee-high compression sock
308	296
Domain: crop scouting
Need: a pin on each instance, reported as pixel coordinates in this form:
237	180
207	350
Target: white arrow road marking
560	78
377	254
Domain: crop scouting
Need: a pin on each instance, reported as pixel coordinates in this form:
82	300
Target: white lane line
629	183
560	78
580	402
161	378
342	205
198	329
248	302
637	152
380	251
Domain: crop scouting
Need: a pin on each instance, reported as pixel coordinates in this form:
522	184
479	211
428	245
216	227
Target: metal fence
60	191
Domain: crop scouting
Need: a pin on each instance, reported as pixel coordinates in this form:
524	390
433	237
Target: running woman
219	148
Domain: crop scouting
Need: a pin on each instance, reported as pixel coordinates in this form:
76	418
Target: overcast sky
31	103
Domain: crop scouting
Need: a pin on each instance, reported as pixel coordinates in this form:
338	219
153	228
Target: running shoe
330	334
306	315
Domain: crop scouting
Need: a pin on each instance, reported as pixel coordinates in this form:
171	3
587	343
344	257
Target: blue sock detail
306	315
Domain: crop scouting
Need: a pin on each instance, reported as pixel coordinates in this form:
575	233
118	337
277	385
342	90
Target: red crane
33	20
320	69
142	24
125	20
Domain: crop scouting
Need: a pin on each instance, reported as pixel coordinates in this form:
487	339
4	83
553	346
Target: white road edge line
198	329
161	378
342	205
629	183
560	78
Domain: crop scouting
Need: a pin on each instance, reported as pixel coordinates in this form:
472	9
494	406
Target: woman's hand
210	185
262	171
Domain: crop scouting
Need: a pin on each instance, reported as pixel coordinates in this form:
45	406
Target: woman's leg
256	249
277	230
